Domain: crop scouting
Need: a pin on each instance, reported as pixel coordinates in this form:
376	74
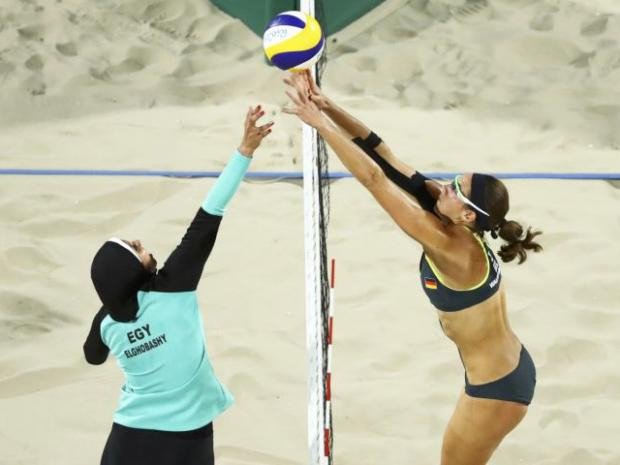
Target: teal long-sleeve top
170	383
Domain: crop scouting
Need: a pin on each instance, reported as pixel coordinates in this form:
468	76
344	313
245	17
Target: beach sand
498	86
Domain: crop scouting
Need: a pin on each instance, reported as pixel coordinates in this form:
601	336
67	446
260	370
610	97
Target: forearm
369	168
363	168
358	129
345	120
227	184
368	146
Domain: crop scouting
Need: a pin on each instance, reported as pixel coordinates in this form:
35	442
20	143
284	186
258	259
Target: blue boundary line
283	174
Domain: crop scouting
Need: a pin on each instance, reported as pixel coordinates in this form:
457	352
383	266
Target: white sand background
503	85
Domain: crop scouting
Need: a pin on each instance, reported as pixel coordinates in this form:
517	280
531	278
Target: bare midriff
489	348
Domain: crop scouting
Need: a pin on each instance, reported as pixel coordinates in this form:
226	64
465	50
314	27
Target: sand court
503	87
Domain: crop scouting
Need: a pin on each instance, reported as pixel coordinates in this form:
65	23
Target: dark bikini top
440	295
447	299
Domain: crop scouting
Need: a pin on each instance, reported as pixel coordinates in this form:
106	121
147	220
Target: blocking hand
253	135
303	106
303	80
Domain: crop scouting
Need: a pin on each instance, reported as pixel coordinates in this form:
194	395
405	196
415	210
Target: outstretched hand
303	81
253	135
303	106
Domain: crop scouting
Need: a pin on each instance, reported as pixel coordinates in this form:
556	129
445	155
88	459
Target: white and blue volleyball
293	41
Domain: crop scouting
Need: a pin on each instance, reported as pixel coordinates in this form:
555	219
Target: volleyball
293	41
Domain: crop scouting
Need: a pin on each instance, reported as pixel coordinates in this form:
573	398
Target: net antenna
318	290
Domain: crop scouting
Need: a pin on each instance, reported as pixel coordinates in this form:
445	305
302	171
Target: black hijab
118	275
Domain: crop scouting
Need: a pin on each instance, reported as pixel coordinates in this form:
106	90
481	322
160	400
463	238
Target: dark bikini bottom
516	386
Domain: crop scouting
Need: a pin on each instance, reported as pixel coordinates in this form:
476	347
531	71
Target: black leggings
131	446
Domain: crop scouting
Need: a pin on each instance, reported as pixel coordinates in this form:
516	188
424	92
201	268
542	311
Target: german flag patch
430	283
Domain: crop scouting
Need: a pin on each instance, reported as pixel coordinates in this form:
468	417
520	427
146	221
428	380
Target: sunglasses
456	187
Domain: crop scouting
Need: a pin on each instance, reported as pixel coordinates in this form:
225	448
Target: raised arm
360	132
420	224
183	269
403	175
348	123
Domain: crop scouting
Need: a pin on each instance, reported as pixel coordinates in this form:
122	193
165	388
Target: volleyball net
318	290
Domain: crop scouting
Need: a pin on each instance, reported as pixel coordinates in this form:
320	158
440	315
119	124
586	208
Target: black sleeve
184	266
415	185
417	188
95	351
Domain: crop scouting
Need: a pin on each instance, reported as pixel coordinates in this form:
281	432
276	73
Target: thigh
476	429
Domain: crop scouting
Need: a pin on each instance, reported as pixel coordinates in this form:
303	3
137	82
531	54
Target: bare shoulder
457	245
423	226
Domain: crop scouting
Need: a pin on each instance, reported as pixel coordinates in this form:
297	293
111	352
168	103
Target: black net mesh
323	169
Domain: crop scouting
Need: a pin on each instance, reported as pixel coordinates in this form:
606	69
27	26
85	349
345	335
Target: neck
444	219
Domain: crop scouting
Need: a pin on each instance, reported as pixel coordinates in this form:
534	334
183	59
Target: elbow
373	178
95	360
95	357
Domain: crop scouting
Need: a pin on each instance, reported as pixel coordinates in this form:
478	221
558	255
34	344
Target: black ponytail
497	205
516	246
